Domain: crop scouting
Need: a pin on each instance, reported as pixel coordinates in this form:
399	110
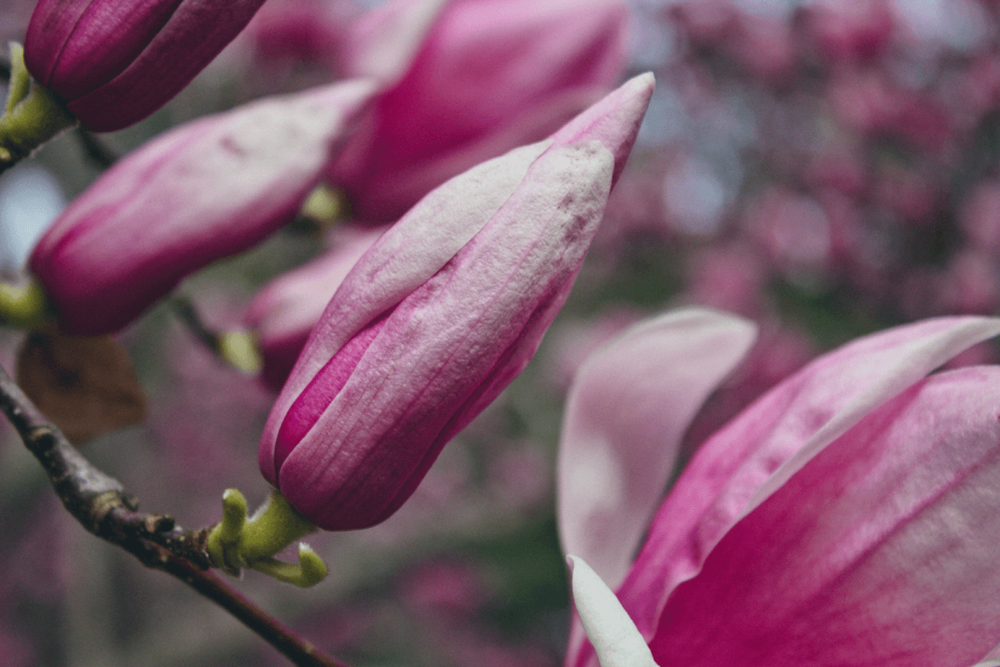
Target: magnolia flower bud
114	62
439	316
488	75
206	190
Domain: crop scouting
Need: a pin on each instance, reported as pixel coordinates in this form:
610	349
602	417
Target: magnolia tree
340	233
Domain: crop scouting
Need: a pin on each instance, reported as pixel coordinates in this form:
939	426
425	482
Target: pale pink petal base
625	417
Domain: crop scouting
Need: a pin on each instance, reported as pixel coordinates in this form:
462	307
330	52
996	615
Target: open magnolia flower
849	516
439	315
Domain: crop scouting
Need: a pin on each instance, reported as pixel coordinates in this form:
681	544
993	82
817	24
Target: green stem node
32	114
24	305
237	542
239	350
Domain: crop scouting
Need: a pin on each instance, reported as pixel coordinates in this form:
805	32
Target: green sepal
32	114
239	542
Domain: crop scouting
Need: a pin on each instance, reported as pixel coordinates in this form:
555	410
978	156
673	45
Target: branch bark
101	504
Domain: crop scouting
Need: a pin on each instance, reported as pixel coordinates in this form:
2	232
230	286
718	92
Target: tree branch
102	506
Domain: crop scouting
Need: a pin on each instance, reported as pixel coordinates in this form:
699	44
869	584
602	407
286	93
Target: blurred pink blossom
763	46
850	31
488	75
793	230
970	284
730	277
440	587
300	31
979	217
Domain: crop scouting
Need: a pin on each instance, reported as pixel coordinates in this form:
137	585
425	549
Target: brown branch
102	506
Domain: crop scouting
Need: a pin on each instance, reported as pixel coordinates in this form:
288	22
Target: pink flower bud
439	316
284	313
489	75
201	192
114	62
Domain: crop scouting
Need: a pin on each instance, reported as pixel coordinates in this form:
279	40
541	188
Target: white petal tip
614	636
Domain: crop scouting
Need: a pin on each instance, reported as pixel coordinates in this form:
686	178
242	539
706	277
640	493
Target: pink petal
382	45
285	311
626	413
73	47
879	551
614	121
405	257
115	62
805	412
392	190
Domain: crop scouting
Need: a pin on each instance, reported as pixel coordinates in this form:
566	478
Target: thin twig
102	506
187	313
96	150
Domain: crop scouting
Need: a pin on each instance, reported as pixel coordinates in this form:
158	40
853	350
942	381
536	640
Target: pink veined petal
285	311
115	66
625	417
880	551
204	191
98	40
405	257
180	50
614	120
613	634
732	467
432	232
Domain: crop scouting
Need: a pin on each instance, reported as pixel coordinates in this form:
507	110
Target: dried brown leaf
85	385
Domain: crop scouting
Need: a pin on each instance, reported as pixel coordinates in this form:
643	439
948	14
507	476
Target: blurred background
827	168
